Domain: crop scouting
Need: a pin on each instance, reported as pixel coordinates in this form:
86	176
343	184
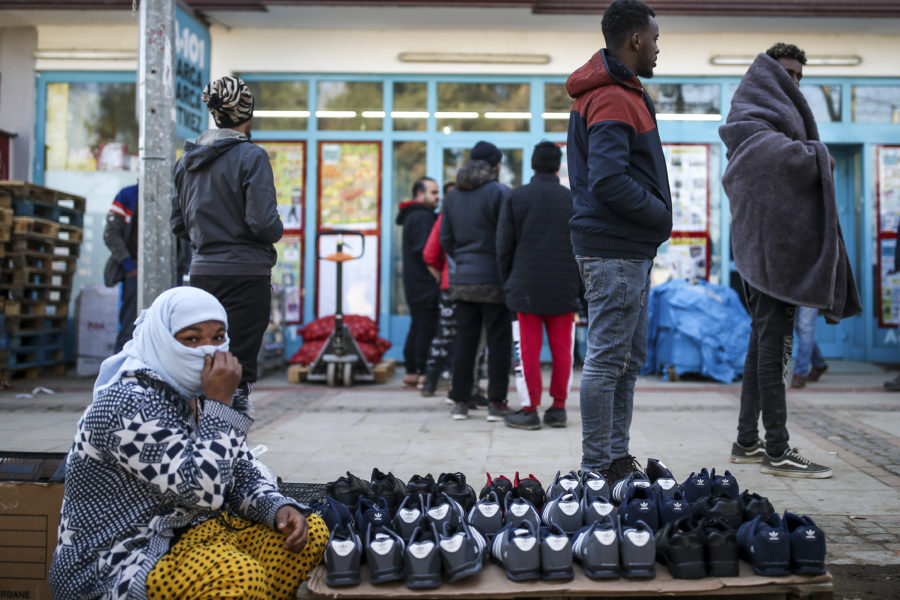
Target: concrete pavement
315	433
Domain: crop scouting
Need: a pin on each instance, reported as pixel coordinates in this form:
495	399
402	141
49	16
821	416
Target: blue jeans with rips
616	291
808	353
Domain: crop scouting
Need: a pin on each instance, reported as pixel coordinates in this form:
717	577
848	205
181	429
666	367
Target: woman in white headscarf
163	497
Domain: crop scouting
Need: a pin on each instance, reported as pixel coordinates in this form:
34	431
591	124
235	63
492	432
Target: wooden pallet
6	216
41	260
37	372
51	212
42	294
35	278
24	190
26	324
35	226
383	371
36	308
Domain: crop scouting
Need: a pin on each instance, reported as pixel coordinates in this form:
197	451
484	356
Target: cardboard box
31	492
97	324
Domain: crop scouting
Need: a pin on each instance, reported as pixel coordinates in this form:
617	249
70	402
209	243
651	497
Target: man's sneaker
388	487
556	555
460	411
661	478
637	550
431	381
372	514
497	411
477	400
500	485
518	510
348	490
720	548
815	373
421	485
672	508
555	417
334	513
624	466
441	509
792	464
724	484
753	504
530	489
697	486
384	555
487	516
639	505
594	485
745	454
422	559
409	516
342	557
634	479
680	546
564	512
596	509
570	483
721	507
765	545
596	548
462	550
517	549
807	545
523	419
455	486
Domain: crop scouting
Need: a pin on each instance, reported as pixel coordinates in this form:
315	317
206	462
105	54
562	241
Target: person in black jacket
468	236
541	283
225	205
421	289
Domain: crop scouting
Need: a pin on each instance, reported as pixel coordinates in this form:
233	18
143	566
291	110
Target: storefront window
350	105
90	126
510	166
685	101
483	107
876	103
557	106
410	159
280	105
824	101
410	106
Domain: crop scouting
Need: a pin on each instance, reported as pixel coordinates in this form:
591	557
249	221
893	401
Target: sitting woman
163	498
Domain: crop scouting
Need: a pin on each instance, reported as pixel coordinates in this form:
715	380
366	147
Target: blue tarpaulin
699	328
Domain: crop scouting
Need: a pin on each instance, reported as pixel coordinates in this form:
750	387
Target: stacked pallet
40	237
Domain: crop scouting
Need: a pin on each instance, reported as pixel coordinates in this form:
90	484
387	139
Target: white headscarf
153	345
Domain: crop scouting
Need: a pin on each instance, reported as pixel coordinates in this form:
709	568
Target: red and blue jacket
617	169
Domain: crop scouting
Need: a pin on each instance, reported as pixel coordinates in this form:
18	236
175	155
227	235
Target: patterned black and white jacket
141	469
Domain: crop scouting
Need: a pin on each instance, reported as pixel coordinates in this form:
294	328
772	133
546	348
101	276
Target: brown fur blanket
784	231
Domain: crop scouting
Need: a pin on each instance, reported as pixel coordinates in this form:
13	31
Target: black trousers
496	319
422	327
248	301
765	371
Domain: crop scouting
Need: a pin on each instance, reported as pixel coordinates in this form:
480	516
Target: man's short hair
622	18
546	157
782	50
419	186
449	185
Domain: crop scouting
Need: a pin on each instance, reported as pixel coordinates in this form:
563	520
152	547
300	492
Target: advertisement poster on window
688	167
888	203
286	276
288	161
888	188
349	185
682	258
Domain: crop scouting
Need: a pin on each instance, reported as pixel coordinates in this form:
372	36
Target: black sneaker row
350	489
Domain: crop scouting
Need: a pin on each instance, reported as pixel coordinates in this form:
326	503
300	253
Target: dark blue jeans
808	352
765	371
127	311
616	292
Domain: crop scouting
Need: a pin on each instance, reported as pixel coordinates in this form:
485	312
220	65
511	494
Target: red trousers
561	338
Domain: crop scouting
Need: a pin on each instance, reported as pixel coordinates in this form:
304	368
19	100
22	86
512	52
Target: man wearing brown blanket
787	243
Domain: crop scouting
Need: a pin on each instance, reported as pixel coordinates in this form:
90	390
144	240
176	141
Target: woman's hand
221	376
292	524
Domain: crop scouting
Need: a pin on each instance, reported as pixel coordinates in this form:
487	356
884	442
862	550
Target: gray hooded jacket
225	204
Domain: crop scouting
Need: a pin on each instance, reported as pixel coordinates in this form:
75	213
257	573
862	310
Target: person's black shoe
893	384
624	466
522	419
555	417
430	384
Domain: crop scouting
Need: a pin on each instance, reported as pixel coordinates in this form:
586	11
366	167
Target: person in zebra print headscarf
229	100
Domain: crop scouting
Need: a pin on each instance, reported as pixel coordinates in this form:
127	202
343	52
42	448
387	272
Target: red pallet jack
340	361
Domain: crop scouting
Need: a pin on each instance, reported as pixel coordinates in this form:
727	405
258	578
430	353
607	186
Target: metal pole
156	90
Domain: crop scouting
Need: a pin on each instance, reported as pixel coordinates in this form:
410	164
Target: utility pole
156	92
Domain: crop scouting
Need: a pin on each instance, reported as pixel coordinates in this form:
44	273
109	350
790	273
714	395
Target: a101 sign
191	74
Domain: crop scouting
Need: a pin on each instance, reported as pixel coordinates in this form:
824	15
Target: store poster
286	276
888	188
349	185
359	277
688	167
888	202
681	258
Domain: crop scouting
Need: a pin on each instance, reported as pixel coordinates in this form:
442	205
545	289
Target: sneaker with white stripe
792	464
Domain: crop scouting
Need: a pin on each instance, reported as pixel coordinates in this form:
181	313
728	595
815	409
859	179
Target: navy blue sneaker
765	545
384	555
597	509
372	514
409	516
596	548
422	559
517	549
564	484
462	550
661	478
724	484
634	479
334	513
807	545
556	554
564	512
720	548
442	509
679	545
696	486
519	510
594	485
343	555
487	516
637	550
639	505
674	507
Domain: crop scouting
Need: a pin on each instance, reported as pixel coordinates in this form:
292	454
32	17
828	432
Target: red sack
362	328
307	352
